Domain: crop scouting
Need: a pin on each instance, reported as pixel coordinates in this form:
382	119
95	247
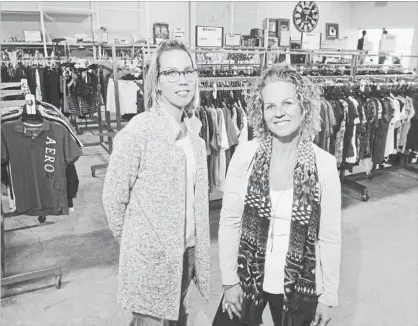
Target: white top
390	140
186	144
328	245
278	241
127	96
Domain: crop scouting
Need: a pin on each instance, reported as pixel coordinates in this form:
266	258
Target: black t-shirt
360	44
38	157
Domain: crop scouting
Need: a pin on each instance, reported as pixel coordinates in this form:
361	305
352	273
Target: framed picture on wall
161	32
331	31
283	25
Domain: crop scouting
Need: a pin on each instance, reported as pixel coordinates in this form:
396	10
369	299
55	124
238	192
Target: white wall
120	24
248	15
399	14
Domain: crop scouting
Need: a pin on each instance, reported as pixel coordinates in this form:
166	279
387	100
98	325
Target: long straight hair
152	98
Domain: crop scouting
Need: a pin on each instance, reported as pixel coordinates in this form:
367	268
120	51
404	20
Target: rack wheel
41	219
58	282
365	196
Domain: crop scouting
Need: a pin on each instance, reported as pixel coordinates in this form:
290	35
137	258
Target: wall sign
179	35
368	45
33	36
311	41
232	39
207	36
388	43
285	38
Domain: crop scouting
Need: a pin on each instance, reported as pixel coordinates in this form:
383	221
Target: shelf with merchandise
24	44
239	78
230	49
226	62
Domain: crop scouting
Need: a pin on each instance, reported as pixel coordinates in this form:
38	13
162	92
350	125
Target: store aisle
379	263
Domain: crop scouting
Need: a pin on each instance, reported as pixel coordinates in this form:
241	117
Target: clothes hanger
26	117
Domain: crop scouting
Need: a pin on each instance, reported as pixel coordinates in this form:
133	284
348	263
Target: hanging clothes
367	128
39	153
224	125
128	92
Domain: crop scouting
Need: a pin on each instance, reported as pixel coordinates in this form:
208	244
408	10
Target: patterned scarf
299	283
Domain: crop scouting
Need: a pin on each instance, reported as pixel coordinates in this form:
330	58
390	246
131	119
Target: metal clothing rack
109	133
407	161
55	271
351	180
105	125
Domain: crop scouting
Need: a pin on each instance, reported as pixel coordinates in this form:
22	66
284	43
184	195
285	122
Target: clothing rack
351	180
55	271
407	162
223	84
105	125
226	83
110	132
43	62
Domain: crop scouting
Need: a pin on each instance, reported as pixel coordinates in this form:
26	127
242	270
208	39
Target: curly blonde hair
308	96
152	96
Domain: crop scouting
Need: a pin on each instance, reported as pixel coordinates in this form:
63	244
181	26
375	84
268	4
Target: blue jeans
188	273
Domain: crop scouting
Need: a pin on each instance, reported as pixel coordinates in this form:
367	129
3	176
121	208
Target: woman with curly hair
155	195
280	226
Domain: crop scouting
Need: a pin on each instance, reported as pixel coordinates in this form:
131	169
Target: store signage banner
388	43
207	36
33	36
232	39
368	45
285	38
179	35
311	41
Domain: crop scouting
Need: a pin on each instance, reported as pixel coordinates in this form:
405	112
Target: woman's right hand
232	301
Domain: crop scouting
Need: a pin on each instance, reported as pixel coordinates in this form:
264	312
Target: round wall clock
306	16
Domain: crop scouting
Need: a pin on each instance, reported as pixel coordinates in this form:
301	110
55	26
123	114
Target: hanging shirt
278	241
224	146
128	90
390	140
409	111
243	137
38	155
353	159
38	94
186	144
234	121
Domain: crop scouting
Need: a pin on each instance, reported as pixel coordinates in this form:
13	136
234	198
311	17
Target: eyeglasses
173	76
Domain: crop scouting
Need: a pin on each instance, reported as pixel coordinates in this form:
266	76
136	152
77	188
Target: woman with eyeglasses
155	195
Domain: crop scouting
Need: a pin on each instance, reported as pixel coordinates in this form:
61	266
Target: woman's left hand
323	315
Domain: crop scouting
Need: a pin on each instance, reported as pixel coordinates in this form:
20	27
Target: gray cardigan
144	201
